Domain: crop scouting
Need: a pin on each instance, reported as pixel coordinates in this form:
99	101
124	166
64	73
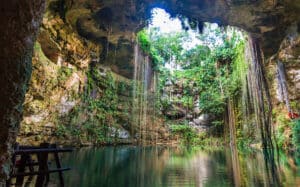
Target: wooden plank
28	147
43	172
33	163
21	168
31	169
43	166
39	172
13	159
43	150
58	166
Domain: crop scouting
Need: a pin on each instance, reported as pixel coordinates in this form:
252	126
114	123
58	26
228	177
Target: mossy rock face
288	56
70	104
61	58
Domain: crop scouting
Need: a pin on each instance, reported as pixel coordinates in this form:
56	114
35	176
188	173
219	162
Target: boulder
123	134
189	116
119	133
174	112
197	111
203	119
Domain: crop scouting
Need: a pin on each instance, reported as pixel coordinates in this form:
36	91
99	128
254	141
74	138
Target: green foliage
187	101
188	133
64	73
162	47
295	106
238	70
144	40
196	56
296	134
190	136
212	102
122	87
283	126
61	130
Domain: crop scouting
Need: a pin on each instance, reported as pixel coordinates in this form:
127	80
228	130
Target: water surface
131	166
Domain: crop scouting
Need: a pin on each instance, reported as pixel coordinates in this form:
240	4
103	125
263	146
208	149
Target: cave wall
20	21
288	56
70	84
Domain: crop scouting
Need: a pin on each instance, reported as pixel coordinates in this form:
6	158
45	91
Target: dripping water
282	85
259	105
256	109
134	92
233	146
143	97
257	93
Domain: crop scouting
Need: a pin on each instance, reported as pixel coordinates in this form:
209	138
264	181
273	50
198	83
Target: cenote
154	93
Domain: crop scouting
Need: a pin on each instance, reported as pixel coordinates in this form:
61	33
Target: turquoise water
132	166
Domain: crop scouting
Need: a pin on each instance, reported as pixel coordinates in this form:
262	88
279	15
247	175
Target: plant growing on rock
209	73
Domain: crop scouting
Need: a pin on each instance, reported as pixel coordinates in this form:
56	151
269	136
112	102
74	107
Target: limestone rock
197	111
119	133
189	116
174	112
203	120
289	55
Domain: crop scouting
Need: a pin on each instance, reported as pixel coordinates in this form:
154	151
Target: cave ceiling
112	20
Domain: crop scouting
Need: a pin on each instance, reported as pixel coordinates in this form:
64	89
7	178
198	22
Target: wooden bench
23	157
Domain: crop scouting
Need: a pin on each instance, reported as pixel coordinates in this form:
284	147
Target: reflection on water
171	167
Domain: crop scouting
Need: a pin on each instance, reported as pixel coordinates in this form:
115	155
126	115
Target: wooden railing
30	161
